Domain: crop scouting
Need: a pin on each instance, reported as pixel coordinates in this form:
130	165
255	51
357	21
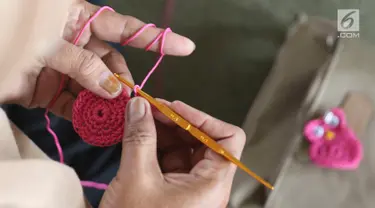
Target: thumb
86	68
139	143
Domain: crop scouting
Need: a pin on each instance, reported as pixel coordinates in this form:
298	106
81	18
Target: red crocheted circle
99	122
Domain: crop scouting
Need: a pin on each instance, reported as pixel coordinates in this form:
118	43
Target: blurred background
237	41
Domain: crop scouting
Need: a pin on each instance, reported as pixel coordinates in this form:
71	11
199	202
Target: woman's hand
162	165
84	64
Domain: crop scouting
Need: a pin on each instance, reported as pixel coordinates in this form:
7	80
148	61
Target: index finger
114	27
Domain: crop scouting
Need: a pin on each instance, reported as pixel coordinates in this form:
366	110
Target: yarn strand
160	38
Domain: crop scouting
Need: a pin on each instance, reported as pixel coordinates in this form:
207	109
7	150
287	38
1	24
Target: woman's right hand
162	165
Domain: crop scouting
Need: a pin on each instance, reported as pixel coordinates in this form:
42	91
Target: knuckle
114	55
115	58
138	137
88	62
241	135
127	24
177	102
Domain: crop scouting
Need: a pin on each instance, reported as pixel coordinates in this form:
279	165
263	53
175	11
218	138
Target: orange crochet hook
204	138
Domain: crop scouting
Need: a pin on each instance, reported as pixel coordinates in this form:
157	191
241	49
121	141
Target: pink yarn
98	121
95	185
335	146
148	47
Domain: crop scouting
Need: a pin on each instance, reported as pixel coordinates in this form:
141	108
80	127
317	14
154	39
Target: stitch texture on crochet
99	122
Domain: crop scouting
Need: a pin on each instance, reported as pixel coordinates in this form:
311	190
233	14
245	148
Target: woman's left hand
84	63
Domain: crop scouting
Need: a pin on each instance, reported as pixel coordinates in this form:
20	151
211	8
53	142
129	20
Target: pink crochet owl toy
333	143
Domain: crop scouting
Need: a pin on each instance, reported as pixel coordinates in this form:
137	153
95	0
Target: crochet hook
204	138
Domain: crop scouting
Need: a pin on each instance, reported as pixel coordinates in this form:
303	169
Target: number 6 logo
347	21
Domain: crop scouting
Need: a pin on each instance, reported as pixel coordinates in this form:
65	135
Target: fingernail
110	83
136	109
